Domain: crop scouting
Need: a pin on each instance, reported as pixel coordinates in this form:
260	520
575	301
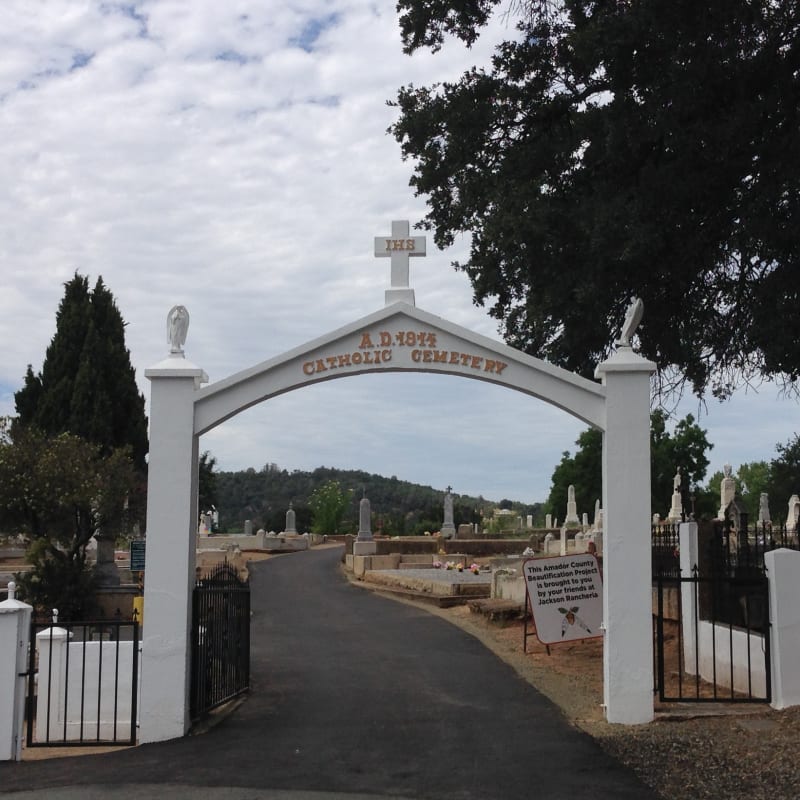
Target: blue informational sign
137	555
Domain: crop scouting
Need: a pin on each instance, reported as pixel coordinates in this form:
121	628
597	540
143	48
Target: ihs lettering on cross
400	246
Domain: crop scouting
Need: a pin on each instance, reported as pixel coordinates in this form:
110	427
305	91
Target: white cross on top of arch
400	246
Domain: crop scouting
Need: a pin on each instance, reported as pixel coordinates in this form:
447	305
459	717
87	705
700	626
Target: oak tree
612	149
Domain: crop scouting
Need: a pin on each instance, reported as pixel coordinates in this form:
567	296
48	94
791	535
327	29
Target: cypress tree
87	385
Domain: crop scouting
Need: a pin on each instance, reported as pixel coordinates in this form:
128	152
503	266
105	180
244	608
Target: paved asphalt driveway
353	696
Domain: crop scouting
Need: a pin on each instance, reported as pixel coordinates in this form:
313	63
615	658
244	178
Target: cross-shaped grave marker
400	246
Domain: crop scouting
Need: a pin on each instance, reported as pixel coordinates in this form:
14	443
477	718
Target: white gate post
783	571
170	556
15	626
627	580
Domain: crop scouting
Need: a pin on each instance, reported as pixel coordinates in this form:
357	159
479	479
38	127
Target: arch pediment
400	338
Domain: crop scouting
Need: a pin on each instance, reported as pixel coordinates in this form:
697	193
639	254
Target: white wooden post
15	626
172	516
627	580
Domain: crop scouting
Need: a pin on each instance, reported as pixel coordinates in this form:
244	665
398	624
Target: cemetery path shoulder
720	752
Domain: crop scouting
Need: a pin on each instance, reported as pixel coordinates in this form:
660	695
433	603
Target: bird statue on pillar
632	319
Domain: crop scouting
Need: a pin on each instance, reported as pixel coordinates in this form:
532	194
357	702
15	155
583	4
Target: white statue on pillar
676	508
727	491
177	327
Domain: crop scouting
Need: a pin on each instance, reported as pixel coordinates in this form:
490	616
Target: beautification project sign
566	594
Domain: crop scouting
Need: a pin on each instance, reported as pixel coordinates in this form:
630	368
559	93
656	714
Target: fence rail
738	550
734	549
665	548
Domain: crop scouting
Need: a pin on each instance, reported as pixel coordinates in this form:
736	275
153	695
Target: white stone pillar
15	625
172	514
783	571
51	690
627	581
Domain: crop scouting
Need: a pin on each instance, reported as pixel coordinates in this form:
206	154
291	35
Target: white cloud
233	157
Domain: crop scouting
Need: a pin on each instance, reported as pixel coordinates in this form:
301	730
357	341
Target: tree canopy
614	149
87	385
398	507
685	448
61	491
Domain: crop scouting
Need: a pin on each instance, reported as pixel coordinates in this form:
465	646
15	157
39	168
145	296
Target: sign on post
137	555
566	596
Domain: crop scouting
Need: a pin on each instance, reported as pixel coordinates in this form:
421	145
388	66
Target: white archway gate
398	338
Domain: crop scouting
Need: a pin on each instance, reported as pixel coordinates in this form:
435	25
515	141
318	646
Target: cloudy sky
233	157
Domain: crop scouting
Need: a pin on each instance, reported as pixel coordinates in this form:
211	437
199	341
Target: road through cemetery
354	695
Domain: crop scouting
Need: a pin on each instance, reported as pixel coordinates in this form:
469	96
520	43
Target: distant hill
399	507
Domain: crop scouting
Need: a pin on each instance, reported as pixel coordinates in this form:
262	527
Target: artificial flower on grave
437	564
460	567
449	565
474	568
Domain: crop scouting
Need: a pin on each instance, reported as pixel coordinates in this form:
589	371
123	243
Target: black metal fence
718	647
83	683
711	635
665	548
220	640
739	549
731	547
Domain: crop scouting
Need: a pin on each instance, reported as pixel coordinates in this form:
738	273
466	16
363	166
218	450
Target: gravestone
763	510
290	521
793	516
365	544
105	569
727	491
448	528
364	521
572	508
